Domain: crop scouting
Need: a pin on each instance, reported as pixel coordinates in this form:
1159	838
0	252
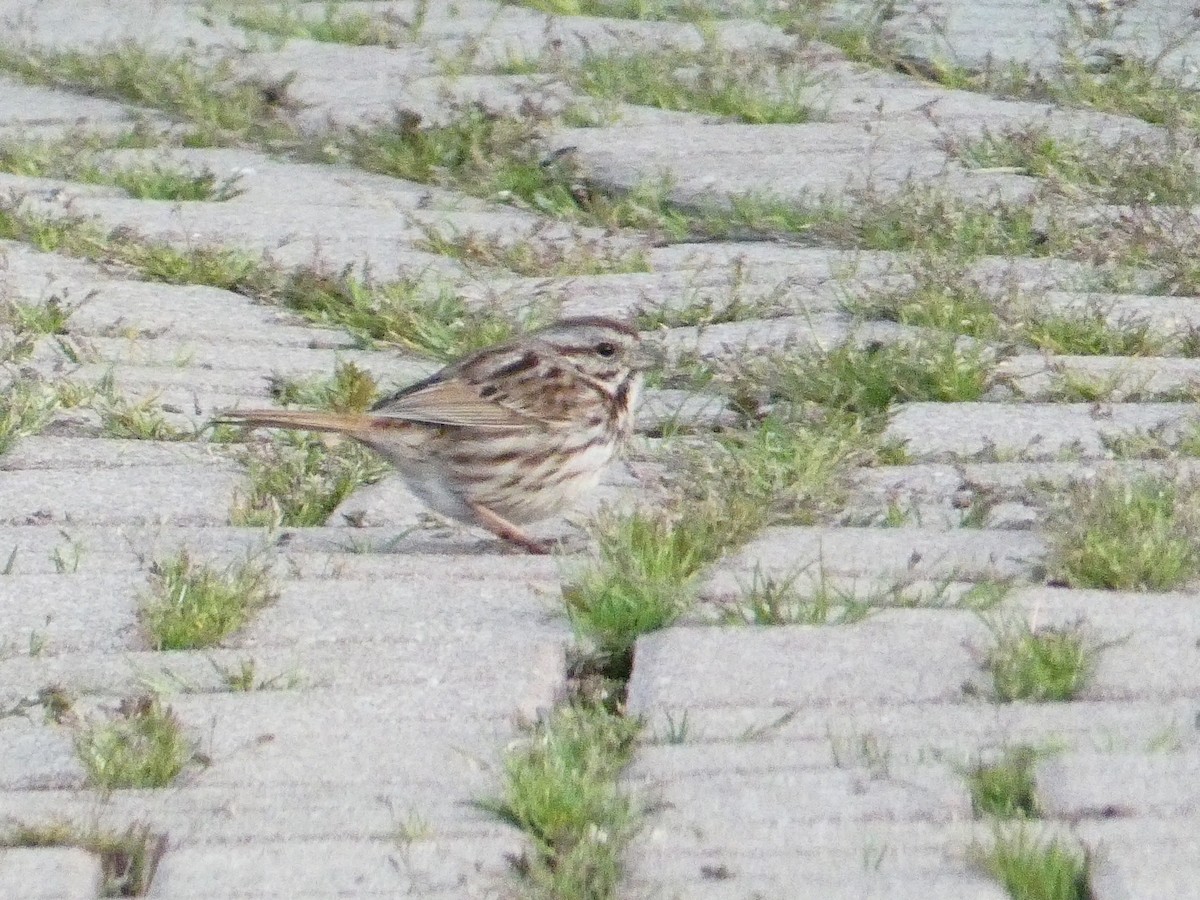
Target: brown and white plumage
507	435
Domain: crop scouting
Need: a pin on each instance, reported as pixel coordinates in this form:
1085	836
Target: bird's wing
455	402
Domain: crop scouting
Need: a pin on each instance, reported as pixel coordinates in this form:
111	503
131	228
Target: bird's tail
356	425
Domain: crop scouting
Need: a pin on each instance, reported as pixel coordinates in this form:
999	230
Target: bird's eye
606	348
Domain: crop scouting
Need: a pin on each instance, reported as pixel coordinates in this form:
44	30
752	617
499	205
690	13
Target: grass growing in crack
747	87
941	298
475	151
221	107
1126	535
1089	334
297	480
551	258
128	859
142	746
191	605
867	380
1129	172
46	318
642	580
335	26
1005	789
1033	868
78	158
697	308
644	576
433	321
782	470
25	408
350	389
1044	665
642	10
141	420
771	601
560	788
430	319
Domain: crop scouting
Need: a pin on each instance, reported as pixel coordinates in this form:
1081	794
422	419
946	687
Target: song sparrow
509	434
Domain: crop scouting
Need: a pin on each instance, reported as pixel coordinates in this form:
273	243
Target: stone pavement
777	762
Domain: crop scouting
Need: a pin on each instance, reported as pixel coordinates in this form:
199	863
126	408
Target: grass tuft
350	389
1136	535
191	605
335	26
1035	869
221	107
26	407
297	480
1006	789
1044	665
743	86
561	790
142	746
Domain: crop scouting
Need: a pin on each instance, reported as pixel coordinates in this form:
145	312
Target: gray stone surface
1029	431
51	873
403	652
1139	857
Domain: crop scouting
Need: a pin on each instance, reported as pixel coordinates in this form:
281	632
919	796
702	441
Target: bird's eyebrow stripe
522	363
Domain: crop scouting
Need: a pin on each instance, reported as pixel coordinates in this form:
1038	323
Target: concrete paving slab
802	665
180	495
1142	857
49	873
1029	430
1120	785
474	868
857	736
901	554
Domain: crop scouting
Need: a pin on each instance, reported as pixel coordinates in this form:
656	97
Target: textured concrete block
474	673
353	737
900	554
196	815
49	873
912	656
1035	431
861	736
1135	858
37	756
1119	785
718	883
60	452
476	869
68	613
180	495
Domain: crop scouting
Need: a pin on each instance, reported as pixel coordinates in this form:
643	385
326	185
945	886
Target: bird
507	435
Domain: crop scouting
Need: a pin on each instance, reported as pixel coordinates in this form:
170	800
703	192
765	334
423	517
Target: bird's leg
502	528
